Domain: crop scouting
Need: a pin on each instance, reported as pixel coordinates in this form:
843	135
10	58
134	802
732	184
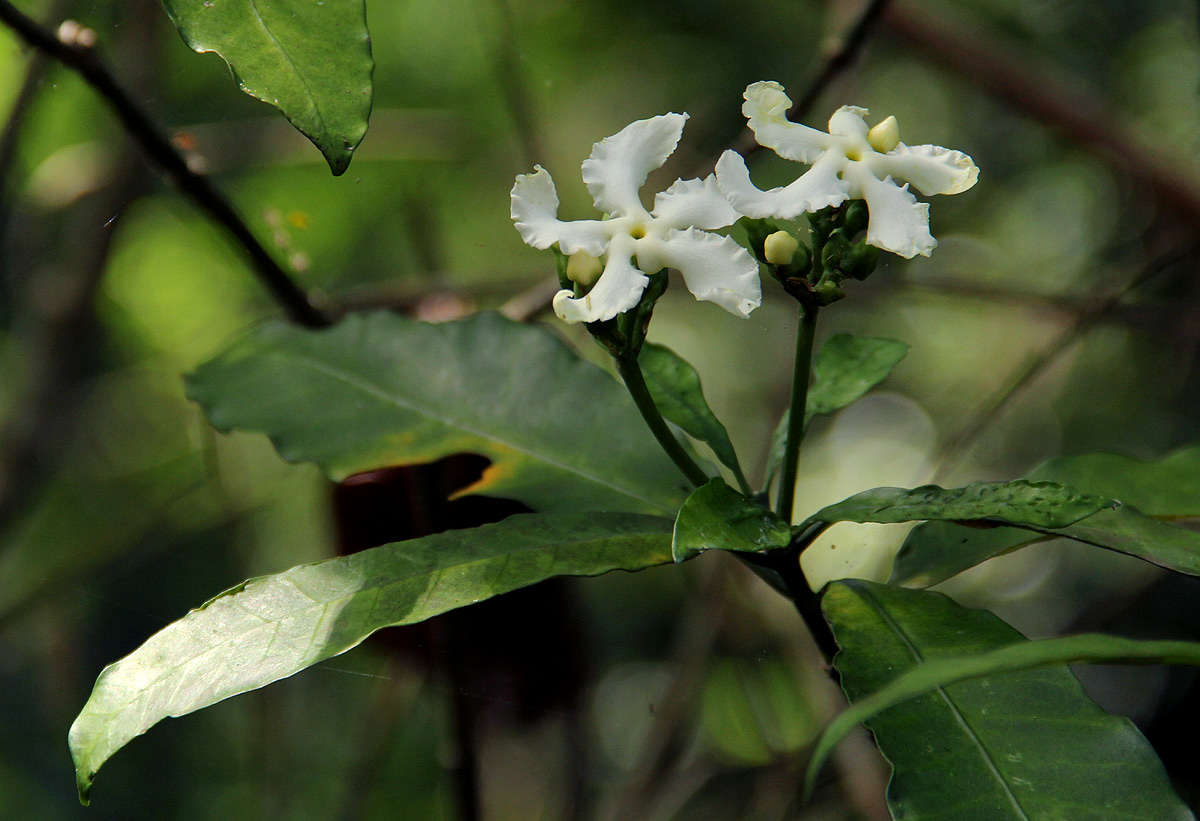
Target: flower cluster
850	162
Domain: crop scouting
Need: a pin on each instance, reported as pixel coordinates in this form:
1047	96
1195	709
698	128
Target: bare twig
956	447
147	135
512	81
1004	71
842	56
699	627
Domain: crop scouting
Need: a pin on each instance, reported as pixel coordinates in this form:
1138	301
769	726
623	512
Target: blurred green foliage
138	511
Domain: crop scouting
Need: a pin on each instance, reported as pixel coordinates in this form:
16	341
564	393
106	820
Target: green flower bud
780	248
856	218
860	260
831	255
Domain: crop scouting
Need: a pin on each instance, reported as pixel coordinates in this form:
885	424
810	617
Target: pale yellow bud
885	135
780	247
583	268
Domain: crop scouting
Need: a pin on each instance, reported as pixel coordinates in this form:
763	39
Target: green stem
628	367
800	376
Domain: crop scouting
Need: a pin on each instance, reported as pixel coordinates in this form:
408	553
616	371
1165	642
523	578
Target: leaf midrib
961	719
378	589
295	69
379	393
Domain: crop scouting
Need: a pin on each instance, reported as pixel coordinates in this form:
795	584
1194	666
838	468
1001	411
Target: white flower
850	162
714	268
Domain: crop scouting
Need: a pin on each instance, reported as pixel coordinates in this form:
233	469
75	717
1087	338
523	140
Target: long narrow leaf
675	388
1025	655
275	626
1168	488
379	390
1022	745
1036	504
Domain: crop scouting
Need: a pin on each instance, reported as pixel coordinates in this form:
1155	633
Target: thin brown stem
957	446
158	148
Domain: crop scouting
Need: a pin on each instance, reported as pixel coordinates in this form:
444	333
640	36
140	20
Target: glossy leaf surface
272	627
311	60
1039	504
379	390
1023	745
1165	489
717	517
675	388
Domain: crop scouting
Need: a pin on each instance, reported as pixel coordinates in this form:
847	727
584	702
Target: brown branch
956	447
842	56
156	146
1019	80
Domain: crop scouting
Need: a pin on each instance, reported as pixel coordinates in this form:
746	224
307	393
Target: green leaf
932	675
1168	488
311	60
716	517
1037	504
379	390
844	369
272	627
1021	745
675	388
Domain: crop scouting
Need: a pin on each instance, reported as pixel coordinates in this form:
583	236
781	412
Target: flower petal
619	164
715	268
817	188
898	223
766	109
694	202
850	121
930	168
618	289
535	212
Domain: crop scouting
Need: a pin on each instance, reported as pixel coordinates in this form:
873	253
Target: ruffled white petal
817	188
618	289
898	223
930	168
766	109
714	268
535	213
850	121
619	164
694	202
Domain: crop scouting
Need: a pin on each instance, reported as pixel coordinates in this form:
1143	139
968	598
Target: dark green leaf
1026	655
1038	504
379	390
311	60
1025	745
717	517
274	626
1168	488
844	369
847	367
675	388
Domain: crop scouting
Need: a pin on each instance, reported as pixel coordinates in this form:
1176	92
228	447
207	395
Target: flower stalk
631	372
801	373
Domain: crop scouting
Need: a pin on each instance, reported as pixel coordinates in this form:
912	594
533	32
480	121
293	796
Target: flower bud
884	136
583	269
856	218
780	248
860	261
